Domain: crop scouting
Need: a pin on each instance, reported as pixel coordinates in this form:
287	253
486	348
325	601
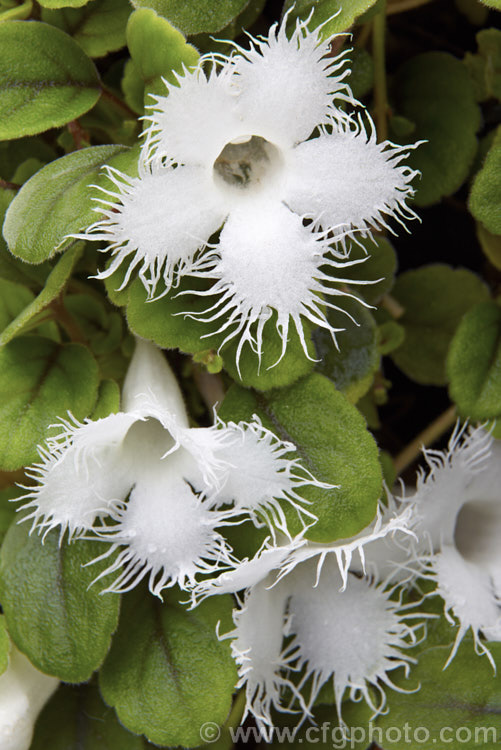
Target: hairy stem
425	438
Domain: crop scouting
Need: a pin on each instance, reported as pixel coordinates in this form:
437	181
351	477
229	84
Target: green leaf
434	299
495	4
55	283
4	645
336	14
167	673
56	202
40	380
485	67
163	322
458	707
108	400
18	12
157	49
474	363
435	92
485	196
361	72
13	299
333	444
380	263
352	366
390	335
11	269
76	717
99	27
196	16
491	245
62	625
53	84
8	509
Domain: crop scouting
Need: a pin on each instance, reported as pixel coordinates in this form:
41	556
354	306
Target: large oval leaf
434	299
46	79
55	202
40	380
76	717
474	363
53	617
333	444
434	91
167	674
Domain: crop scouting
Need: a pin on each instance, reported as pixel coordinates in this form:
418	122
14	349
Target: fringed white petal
250	571
167	533
354	637
82	475
388	522
156	222
345	178
23	692
287	85
455	477
261	476
258	651
150	385
268	262
469	596
194	121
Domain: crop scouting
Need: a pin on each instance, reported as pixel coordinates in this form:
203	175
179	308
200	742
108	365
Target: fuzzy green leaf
435	92
491	245
157	50
53	84
474	363
12	269
434	299
485	67
8	514
4	645
156	673
108	400
40	380
76	717
485	196
99	27
333	444
56	281
61	624
13	299
56	202
337	15
196	16
164	323
351	367
494	4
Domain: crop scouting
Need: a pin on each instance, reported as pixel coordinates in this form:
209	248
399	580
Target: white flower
162	483
342	625
228	147
23	692
457	509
